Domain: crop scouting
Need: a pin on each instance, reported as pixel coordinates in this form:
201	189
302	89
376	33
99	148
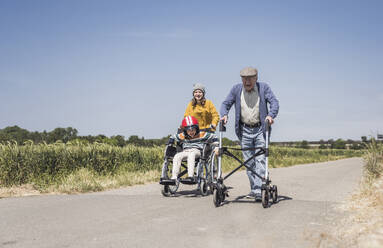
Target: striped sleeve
212	138
178	137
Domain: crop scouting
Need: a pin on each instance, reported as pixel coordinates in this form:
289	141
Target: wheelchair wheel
265	197
213	168
274	194
169	190
204	188
203	184
165	191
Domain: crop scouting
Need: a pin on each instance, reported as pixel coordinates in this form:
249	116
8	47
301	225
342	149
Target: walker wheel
265	197
223	194
217	196
274	194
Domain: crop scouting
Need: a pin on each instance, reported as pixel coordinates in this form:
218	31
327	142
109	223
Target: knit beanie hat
198	86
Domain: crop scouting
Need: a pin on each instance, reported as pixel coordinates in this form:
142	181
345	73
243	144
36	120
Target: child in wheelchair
192	141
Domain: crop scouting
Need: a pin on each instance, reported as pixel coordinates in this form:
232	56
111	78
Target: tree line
329	144
70	134
20	135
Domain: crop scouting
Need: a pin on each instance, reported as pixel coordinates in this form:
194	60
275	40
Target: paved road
140	216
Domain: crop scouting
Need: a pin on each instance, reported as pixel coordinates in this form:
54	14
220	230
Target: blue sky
128	67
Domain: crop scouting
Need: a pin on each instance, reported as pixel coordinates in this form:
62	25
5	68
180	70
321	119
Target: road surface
140	216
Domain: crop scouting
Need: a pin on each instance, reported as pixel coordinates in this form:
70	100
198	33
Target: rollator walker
269	193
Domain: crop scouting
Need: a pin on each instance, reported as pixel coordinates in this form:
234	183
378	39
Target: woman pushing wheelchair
202	109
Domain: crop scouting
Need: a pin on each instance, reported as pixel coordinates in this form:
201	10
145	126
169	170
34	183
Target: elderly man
251	99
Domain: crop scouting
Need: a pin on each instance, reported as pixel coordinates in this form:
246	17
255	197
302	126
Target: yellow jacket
205	115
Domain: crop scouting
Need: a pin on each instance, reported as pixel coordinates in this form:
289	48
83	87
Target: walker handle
267	124
222	127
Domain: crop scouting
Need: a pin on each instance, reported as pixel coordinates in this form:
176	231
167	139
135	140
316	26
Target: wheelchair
201	170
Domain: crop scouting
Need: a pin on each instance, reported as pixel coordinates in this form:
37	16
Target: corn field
47	164
44	164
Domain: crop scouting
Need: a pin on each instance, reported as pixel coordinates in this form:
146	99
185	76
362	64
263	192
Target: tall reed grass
373	157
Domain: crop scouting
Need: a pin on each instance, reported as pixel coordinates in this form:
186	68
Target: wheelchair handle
170	141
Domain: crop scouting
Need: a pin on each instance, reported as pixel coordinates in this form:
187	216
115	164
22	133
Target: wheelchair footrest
188	180
168	182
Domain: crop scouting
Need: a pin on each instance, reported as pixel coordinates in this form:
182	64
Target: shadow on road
243	199
284	198
187	193
191	193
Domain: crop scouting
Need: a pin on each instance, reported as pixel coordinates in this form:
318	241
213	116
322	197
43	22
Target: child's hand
216	151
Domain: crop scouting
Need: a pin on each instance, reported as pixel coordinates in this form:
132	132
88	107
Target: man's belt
251	125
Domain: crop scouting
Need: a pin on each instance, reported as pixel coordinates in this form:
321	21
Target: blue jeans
253	137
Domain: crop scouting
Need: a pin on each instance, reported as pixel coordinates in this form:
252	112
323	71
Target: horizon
378	136
128	67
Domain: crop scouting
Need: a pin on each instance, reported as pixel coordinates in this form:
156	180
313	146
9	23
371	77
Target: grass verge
363	224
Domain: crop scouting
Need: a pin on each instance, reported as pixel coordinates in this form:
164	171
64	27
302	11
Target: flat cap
248	72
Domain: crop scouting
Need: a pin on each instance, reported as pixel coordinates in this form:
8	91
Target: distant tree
119	140
304	144
322	144
101	139
44	136
36	137
15	133
3	137
63	134
135	140
339	144
356	146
